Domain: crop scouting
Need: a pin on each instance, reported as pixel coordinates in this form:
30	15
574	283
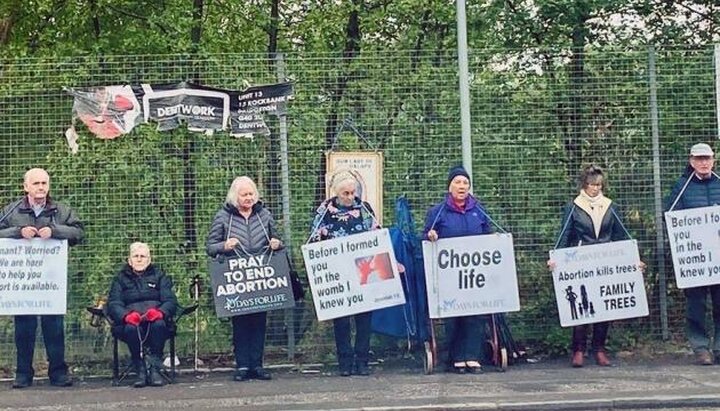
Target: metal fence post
659	236
285	196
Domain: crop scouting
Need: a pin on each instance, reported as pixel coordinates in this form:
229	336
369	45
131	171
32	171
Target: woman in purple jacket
459	215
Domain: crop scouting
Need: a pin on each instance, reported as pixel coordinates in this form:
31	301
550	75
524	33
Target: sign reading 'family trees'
599	282
353	274
471	275
694	236
33	276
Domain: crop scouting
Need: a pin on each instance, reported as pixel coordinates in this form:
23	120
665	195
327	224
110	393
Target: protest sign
353	274
694	236
599	282
471	275
251	284
33	276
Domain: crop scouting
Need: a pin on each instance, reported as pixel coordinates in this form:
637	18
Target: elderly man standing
699	186
37	215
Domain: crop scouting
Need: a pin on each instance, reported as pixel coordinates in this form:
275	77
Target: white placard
353	274
694	236
33	276
471	275
599	282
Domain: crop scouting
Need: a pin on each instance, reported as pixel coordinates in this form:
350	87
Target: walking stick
196	298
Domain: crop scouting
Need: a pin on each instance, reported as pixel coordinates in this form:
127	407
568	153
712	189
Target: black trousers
53	330
152	335
347	355
249	339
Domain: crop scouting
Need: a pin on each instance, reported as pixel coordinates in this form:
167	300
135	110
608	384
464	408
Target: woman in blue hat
460	214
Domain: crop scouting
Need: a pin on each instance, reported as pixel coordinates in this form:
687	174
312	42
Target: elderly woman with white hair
244	227
342	215
141	299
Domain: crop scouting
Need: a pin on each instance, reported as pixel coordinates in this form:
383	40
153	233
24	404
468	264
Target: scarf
596	207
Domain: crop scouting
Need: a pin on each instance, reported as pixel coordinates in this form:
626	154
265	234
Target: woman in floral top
342	215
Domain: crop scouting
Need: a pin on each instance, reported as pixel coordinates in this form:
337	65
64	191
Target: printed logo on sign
186	109
232	303
448	304
576	256
570	255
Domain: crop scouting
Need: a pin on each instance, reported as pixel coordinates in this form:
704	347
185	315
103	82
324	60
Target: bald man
36	215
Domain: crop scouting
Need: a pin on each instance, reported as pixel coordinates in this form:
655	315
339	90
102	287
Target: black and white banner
251	284
111	111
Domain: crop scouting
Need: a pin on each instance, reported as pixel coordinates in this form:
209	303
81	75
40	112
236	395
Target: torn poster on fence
111	111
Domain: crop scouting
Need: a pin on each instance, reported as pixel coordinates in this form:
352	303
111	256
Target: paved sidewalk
542	386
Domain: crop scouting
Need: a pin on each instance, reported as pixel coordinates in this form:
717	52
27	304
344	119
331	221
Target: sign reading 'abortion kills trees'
353	274
599	282
33	277
695	245
471	275
251	284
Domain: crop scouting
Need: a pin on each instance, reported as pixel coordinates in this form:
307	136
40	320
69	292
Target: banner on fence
471	275
353	274
111	111
33	276
251	284
694	236
599	282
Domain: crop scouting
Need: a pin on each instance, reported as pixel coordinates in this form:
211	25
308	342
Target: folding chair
118	377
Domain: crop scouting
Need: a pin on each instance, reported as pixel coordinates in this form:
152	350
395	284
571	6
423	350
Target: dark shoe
260	373
703	357
141	371
154	378
22	381
61	381
362	369
602	359
241	375
716	357
345	373
577	359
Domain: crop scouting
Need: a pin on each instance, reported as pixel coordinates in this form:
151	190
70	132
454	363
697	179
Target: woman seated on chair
141	299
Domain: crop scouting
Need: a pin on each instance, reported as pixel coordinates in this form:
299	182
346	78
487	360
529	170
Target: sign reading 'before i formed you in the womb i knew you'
694	236
353	274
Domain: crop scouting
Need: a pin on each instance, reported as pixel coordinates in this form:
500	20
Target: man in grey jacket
37	215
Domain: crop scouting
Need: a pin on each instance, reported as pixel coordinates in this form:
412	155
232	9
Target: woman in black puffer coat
141	300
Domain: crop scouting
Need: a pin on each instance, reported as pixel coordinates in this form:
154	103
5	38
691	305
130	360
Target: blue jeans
466	338
249	339
153	336
695	315
347	355
53	330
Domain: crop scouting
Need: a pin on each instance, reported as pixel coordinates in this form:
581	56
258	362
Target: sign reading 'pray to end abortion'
247	284
353	274
599	282
694	236
33	276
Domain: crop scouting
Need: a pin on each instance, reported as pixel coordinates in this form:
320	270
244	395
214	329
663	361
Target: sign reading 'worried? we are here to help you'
33	276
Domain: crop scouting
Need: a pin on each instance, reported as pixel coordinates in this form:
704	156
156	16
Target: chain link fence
537	116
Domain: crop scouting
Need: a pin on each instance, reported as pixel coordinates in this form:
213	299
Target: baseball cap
701	149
